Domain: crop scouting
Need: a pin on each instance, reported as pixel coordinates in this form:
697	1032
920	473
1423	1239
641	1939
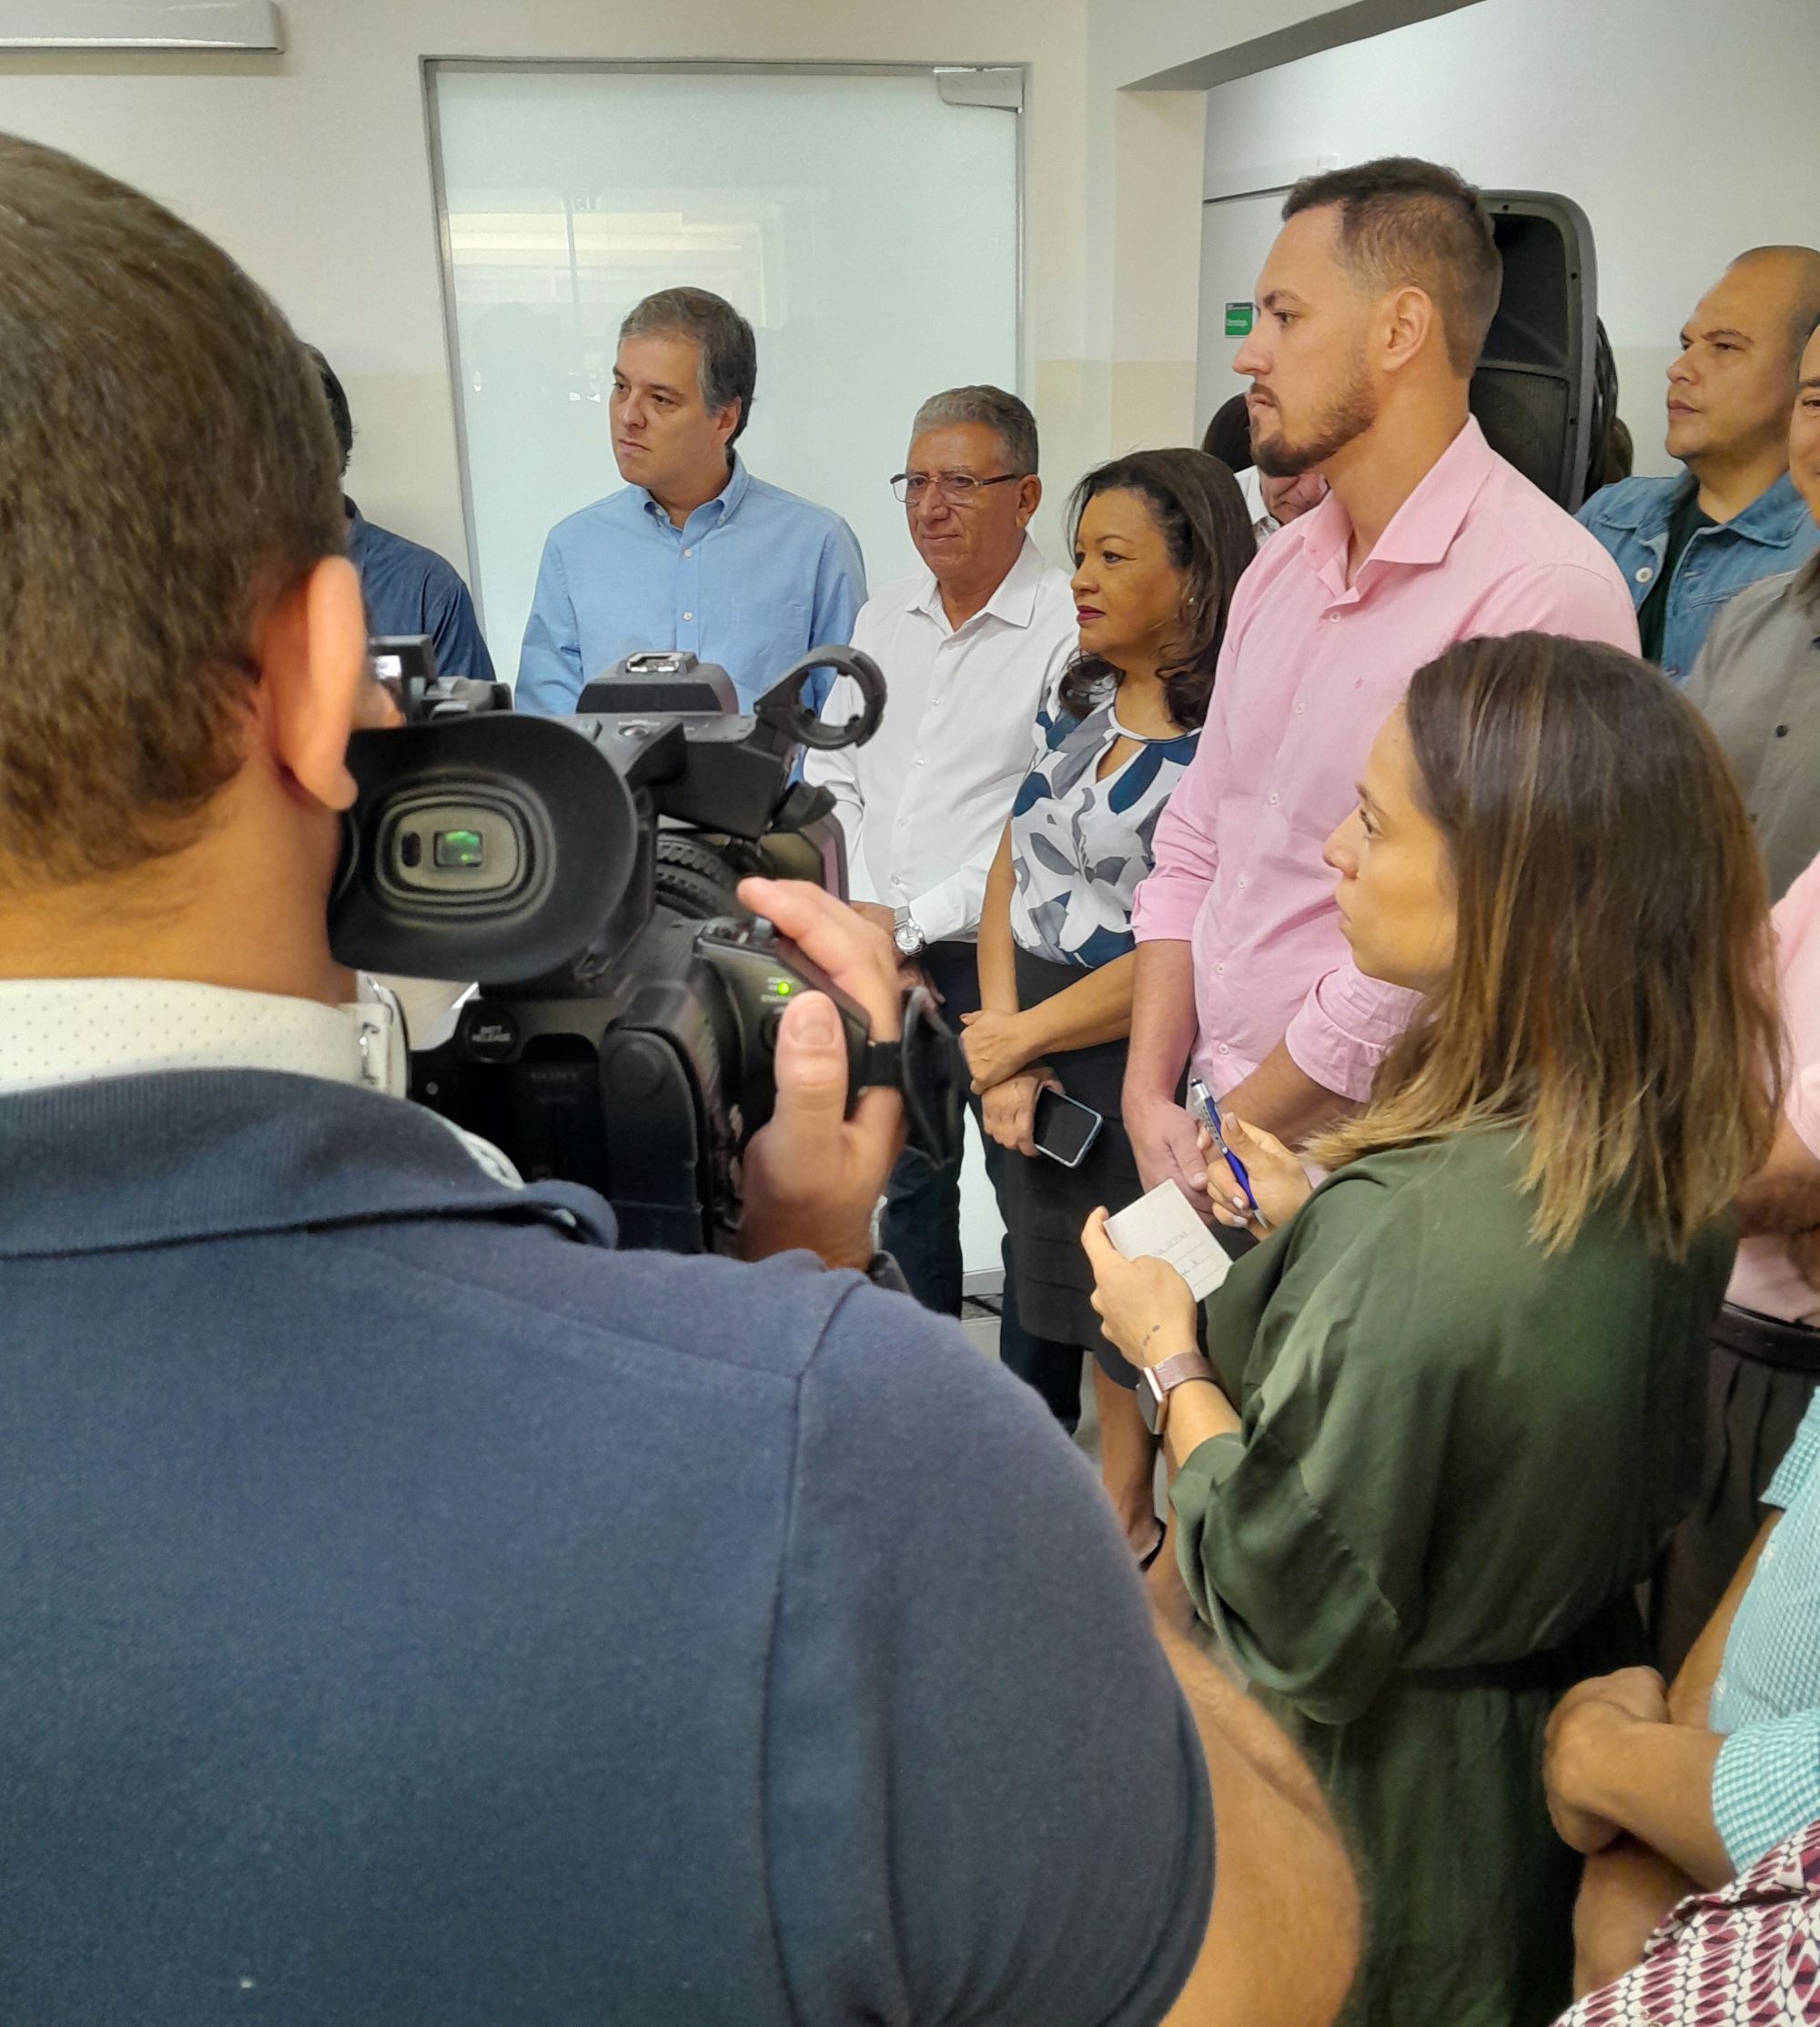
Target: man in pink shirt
1766	1342
1374	304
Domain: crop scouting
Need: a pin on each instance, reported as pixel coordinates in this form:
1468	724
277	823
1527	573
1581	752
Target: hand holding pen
1272	1184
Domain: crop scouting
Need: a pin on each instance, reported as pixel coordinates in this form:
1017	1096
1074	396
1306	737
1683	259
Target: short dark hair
1008	417
1228	434
728	352
339	413
1198	507
167	471
1406	223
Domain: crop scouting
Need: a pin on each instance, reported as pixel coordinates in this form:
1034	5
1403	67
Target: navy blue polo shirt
417	1612
409	589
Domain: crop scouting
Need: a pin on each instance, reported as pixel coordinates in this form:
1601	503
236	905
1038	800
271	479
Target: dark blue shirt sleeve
453	624
985	1798
409	589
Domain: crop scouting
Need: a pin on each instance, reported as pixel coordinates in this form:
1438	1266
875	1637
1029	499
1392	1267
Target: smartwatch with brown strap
1157	1383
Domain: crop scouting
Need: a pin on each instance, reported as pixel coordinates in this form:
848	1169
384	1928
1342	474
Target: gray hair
727	371
1003	413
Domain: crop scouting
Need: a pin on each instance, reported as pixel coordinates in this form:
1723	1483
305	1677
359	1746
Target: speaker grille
1532	392
1524	418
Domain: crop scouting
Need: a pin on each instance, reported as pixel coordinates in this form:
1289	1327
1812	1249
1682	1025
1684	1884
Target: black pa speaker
1532	392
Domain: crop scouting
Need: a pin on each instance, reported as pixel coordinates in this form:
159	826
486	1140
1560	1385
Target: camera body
582	871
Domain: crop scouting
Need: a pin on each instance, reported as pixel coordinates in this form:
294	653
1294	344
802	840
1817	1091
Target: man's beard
1348	415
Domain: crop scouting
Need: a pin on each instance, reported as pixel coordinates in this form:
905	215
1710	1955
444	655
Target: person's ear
727	420
1030	498
312	657
1407	321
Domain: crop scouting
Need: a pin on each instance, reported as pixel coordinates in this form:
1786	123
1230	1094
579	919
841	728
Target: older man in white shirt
969	646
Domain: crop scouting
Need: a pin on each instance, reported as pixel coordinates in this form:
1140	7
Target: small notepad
1163	1224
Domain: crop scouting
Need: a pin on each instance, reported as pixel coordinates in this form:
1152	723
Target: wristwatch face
1149	1400
909	936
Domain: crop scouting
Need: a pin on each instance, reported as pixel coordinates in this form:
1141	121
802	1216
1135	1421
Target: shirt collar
134	1160
1422	528
72	1030
61	1031
724	506
1014	597
1646	506
1774	517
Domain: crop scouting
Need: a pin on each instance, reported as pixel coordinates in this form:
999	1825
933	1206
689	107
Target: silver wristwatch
910	940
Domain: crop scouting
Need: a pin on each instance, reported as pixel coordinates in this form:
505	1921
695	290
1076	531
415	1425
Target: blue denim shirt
752	579
412	590
1775	532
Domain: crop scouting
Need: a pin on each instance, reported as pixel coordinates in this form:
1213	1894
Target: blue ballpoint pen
1200	1102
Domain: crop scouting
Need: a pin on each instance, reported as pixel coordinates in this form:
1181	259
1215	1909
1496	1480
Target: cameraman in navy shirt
417	1611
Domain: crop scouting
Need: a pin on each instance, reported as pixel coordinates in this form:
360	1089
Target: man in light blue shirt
694	553
1688	544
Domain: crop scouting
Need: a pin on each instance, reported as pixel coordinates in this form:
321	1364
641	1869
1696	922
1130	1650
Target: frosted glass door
866	226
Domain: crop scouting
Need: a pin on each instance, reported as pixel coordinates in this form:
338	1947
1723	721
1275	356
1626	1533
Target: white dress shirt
925	802
69	1030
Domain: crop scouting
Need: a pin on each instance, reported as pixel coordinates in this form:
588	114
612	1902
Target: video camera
582	871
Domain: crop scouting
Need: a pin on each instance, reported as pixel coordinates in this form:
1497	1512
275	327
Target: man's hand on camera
812	1176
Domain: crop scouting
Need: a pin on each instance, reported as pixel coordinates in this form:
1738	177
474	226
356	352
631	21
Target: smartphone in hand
1063	1127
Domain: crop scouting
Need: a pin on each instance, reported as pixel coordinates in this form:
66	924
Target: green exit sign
1239	319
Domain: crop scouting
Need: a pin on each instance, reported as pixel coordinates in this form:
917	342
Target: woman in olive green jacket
1455	1406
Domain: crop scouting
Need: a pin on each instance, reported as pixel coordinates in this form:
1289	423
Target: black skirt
1045	1204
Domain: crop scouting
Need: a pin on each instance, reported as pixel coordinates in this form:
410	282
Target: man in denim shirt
1688	544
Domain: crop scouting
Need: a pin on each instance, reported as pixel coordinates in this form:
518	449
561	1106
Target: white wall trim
1274	176
224	24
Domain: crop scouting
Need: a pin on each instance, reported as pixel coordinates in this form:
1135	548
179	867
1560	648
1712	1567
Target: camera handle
783	708
762	971
924	1067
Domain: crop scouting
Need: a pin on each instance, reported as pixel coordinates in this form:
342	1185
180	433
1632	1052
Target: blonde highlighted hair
1614	987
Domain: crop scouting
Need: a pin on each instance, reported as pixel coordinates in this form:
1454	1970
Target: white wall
312	168
1684	130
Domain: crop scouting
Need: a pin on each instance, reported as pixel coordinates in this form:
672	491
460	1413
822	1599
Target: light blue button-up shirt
1766	1698
752	579
1773	533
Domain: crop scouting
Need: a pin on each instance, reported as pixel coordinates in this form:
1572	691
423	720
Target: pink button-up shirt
1764	1277
1311	669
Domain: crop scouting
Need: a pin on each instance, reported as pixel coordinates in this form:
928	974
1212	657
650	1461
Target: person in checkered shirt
1674	1791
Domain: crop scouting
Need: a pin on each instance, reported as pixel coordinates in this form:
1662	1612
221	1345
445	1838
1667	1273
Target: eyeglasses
959	488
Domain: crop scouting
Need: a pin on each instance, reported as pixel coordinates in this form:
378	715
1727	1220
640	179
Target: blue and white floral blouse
1079	846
